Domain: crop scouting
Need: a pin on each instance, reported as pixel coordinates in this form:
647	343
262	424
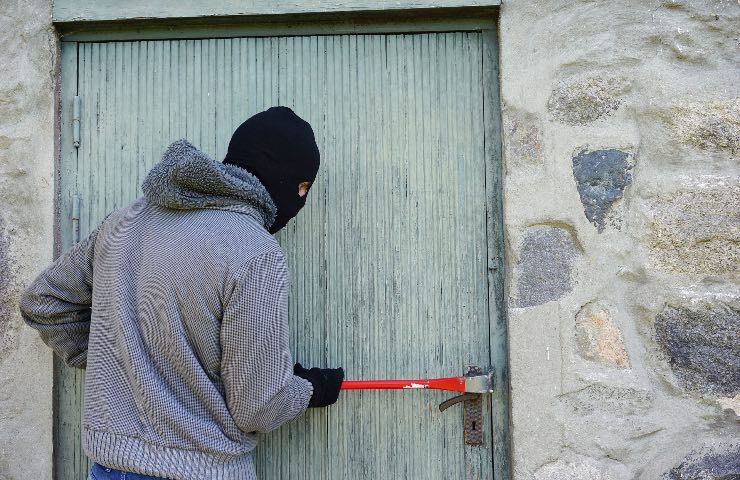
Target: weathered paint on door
390	260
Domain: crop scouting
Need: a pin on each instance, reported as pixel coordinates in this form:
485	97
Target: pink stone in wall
598	337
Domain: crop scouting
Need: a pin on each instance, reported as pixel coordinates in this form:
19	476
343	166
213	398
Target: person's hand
326	383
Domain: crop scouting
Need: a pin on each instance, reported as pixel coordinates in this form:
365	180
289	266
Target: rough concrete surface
7	306
525	147
586	469
598	397
27	143
588	88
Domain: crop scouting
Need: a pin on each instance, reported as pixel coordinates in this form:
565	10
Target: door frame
483	20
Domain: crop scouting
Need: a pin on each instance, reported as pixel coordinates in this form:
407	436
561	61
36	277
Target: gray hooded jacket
177	307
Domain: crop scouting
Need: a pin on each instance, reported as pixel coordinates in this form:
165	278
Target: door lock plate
473	414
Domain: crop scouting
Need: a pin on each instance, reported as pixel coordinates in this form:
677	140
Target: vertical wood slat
388	260
494	207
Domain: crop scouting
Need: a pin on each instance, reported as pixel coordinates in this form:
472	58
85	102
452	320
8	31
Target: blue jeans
99	472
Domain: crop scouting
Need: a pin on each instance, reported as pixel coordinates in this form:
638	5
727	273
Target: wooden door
393	261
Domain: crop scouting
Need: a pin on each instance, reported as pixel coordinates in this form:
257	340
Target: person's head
279	148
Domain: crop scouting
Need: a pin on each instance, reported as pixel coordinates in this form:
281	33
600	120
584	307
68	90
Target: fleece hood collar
187	178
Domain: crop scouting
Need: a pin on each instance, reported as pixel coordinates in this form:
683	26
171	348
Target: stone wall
27	146
622	212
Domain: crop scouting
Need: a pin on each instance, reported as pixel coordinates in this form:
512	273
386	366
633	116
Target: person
177	307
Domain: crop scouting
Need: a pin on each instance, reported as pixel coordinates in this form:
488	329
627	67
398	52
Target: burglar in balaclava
177	307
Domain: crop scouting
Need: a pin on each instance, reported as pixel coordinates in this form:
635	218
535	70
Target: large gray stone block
712	125
545	263
702	344
720	462
602	176
696	229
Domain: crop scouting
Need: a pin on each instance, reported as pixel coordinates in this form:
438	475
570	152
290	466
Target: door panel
389	259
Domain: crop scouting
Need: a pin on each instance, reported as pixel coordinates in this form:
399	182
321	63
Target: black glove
326	384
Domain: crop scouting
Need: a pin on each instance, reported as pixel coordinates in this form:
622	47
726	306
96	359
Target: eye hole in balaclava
303	188
279	148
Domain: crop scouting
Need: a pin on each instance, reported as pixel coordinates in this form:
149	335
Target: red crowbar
482	383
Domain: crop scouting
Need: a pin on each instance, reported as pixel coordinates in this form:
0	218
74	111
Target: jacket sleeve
256	365
58	302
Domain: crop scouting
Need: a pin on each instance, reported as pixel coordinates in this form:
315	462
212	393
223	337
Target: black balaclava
278	147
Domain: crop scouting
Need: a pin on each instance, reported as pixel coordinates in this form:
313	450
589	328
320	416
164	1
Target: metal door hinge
76	121
75	218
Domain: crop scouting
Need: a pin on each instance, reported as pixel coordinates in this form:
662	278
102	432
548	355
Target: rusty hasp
478	381
469	383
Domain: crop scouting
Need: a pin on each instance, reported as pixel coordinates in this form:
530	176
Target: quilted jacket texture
177	307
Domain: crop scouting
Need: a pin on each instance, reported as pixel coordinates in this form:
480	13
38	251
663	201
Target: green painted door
394	260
